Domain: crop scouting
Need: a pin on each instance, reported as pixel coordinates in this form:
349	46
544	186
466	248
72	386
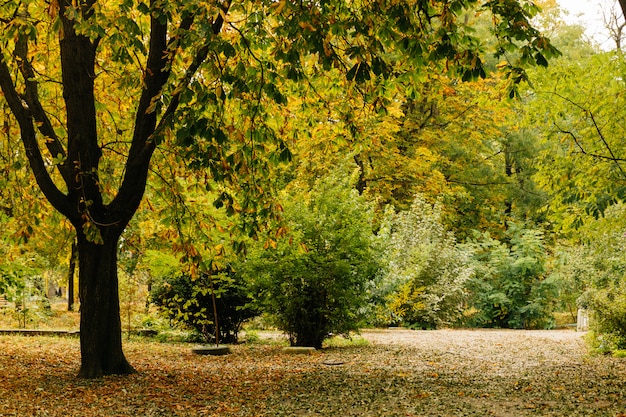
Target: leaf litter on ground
398	373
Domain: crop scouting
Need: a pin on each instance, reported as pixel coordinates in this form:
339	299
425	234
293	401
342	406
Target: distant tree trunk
361	184
70	276
147	306
100	323
508	171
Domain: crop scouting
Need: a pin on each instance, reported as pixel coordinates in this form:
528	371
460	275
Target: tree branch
571	134
43	123
200	57
22	114
598	130
156	76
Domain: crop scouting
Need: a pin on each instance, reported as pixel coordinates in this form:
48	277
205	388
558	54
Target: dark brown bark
508	171
100	323
29	139
622	4
70	276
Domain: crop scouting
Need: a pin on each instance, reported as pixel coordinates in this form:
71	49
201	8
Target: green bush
608	320
315	283
423	284
510	287
597	269
189	302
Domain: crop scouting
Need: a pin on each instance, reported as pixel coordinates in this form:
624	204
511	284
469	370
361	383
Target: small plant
620	353
603	343
346	341
252	336
189	301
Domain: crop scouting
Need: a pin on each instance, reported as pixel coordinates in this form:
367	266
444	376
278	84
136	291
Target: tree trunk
508	171
100	323
70	277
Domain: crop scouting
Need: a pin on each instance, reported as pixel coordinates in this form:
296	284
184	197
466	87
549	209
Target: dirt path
489	373
510	351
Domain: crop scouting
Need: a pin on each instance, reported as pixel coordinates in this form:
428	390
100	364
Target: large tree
96	87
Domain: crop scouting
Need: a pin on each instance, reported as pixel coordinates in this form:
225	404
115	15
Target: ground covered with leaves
396	373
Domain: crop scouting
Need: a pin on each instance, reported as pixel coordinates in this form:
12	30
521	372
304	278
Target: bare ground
399	373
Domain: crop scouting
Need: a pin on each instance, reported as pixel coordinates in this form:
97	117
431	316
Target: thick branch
156	76
200	57
42	120
25	120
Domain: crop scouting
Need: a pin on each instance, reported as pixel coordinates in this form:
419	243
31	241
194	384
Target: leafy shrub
608	308
315	283
598	268
573	268
423	285
189	301
510	287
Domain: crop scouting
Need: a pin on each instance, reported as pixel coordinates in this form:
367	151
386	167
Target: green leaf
228	50
351	75
285	154
272	92
92	232
541	60
143	8
363	73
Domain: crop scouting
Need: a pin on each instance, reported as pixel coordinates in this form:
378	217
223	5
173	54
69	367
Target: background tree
615	24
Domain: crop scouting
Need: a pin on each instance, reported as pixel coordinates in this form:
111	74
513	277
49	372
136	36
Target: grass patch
342	341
